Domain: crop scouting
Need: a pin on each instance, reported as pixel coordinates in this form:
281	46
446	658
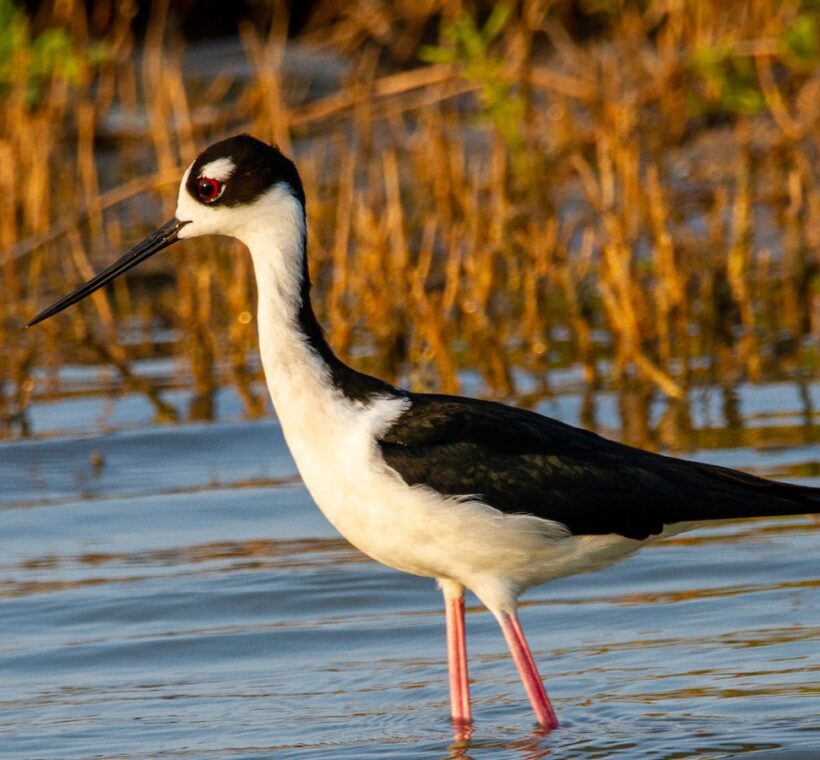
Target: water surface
172	592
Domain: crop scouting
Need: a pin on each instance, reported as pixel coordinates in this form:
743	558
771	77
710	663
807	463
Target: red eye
209	189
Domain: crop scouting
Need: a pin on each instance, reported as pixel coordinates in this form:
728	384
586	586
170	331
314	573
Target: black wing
520	461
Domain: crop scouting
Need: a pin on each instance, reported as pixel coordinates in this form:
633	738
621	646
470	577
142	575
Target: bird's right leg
527	669
457	652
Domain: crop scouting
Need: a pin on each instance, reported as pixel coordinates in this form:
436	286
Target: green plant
30	62
471	47
800	41
723	82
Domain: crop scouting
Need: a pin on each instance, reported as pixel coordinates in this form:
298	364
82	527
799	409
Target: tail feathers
761	497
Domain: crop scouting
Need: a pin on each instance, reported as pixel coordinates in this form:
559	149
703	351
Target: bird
475	494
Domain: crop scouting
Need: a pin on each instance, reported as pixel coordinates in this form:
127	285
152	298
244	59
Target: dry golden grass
644	202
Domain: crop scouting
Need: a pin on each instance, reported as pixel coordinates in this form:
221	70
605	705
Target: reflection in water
533	747
675	429
586	417
732	417
804	393
221	557
634	406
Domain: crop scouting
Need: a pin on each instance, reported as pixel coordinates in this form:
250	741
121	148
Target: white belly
415	530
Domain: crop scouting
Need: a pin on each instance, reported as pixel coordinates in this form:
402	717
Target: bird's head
240	187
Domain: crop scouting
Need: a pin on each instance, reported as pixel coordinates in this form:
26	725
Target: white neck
330	415
294	353
294	370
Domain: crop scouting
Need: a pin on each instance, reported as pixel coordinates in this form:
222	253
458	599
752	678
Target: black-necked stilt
478	495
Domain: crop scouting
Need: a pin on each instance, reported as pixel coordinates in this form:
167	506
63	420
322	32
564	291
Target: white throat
273	229
331	437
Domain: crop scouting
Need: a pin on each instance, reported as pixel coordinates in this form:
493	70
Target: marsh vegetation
627	188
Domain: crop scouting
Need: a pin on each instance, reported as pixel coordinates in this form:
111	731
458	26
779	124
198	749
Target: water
172	592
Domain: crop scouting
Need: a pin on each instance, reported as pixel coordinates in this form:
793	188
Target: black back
521	462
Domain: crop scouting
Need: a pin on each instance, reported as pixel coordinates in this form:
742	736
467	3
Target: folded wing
522	462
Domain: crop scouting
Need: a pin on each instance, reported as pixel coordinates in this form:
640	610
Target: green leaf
434	54
496	22
801	39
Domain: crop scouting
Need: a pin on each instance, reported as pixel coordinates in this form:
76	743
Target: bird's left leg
456	651
527	669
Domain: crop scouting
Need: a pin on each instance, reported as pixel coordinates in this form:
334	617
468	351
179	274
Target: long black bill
162	238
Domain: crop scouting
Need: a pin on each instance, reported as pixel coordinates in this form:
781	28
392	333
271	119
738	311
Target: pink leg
527	670
457	656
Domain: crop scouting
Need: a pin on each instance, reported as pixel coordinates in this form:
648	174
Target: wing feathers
519	461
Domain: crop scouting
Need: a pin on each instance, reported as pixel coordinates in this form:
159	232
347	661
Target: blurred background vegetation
611	193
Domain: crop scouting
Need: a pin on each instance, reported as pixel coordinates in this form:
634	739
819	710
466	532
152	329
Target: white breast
416	530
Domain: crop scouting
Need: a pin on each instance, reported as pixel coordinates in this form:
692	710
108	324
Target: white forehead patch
221	169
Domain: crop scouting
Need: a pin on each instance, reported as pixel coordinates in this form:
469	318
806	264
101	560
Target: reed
641	200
